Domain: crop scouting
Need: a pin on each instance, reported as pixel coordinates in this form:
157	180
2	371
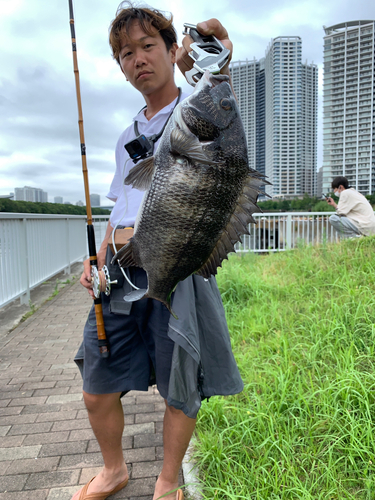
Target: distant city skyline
39	139
28	193
33	194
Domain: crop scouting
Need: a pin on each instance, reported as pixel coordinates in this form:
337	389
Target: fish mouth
211	80
216	80
206	84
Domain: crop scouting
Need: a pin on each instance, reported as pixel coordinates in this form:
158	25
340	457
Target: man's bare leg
107	421
177	429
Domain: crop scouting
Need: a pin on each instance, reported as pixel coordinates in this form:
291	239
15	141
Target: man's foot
162	487
105	481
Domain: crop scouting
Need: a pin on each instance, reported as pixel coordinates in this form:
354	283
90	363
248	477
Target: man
354	215
146	342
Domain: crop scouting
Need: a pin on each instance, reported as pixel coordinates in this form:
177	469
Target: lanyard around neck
154	138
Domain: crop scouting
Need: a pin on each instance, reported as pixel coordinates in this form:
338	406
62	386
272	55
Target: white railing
273	231
285	230
35	247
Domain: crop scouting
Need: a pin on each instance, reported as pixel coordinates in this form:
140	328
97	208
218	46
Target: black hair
340	181
148	18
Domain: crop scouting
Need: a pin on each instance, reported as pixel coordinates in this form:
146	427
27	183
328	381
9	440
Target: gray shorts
140	349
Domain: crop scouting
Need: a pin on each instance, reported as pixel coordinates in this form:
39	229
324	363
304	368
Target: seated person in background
354	215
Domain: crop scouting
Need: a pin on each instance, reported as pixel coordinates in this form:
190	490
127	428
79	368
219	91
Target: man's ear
173	51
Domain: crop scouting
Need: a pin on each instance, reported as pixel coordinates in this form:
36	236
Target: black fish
201	193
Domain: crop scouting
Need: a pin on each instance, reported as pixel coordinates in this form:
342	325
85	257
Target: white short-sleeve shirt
128	199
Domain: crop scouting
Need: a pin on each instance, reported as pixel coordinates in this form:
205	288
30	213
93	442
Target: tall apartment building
244	77
28	193
309	128
58	199
278	100
348	105
95	200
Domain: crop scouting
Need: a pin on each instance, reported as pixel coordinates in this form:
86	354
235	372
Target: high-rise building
278	100
58	199
348	105
244	78
319	182
41	195
28	193
95	200
309	128
249	85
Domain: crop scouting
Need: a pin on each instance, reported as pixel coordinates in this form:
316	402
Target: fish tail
167	304
136	295
169	307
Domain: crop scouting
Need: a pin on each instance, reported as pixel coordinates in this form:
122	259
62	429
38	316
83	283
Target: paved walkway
47	448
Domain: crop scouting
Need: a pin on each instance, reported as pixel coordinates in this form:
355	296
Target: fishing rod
102	339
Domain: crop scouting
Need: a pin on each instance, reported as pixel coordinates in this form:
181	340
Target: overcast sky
39	140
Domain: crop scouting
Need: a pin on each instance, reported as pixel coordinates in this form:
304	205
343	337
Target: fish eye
225	103
182	160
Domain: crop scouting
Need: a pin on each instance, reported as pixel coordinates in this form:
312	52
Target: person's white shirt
128	199
357	208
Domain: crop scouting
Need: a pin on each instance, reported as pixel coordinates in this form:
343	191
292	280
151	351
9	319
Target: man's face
338	190
145	61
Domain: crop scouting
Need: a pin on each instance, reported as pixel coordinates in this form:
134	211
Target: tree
29	207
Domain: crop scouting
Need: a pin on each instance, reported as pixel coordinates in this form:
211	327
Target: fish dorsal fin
187	144
125	256
237	226
140	175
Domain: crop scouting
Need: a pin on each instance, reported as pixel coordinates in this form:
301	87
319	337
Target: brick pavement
47	448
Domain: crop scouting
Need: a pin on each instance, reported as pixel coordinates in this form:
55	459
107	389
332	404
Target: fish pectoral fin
125	257
135	295
187	144
140	176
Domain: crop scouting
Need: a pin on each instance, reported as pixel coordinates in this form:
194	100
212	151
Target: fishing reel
208	53
101	281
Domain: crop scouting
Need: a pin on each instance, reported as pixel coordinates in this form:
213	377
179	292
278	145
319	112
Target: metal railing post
25	297
67	269
288	236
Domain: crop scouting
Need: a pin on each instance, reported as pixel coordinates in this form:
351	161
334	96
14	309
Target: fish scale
200	195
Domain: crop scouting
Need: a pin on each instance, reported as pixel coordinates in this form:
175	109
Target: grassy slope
303	328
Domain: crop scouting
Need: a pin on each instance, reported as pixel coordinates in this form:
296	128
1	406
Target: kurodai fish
201	193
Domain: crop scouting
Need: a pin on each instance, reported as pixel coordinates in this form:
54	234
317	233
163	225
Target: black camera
140	148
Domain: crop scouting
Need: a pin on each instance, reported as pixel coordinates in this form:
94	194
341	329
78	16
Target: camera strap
154	138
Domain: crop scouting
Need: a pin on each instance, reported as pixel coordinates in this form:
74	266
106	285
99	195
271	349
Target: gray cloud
40	120
39	141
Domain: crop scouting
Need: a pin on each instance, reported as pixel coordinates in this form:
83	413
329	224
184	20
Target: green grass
302	325
29	313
